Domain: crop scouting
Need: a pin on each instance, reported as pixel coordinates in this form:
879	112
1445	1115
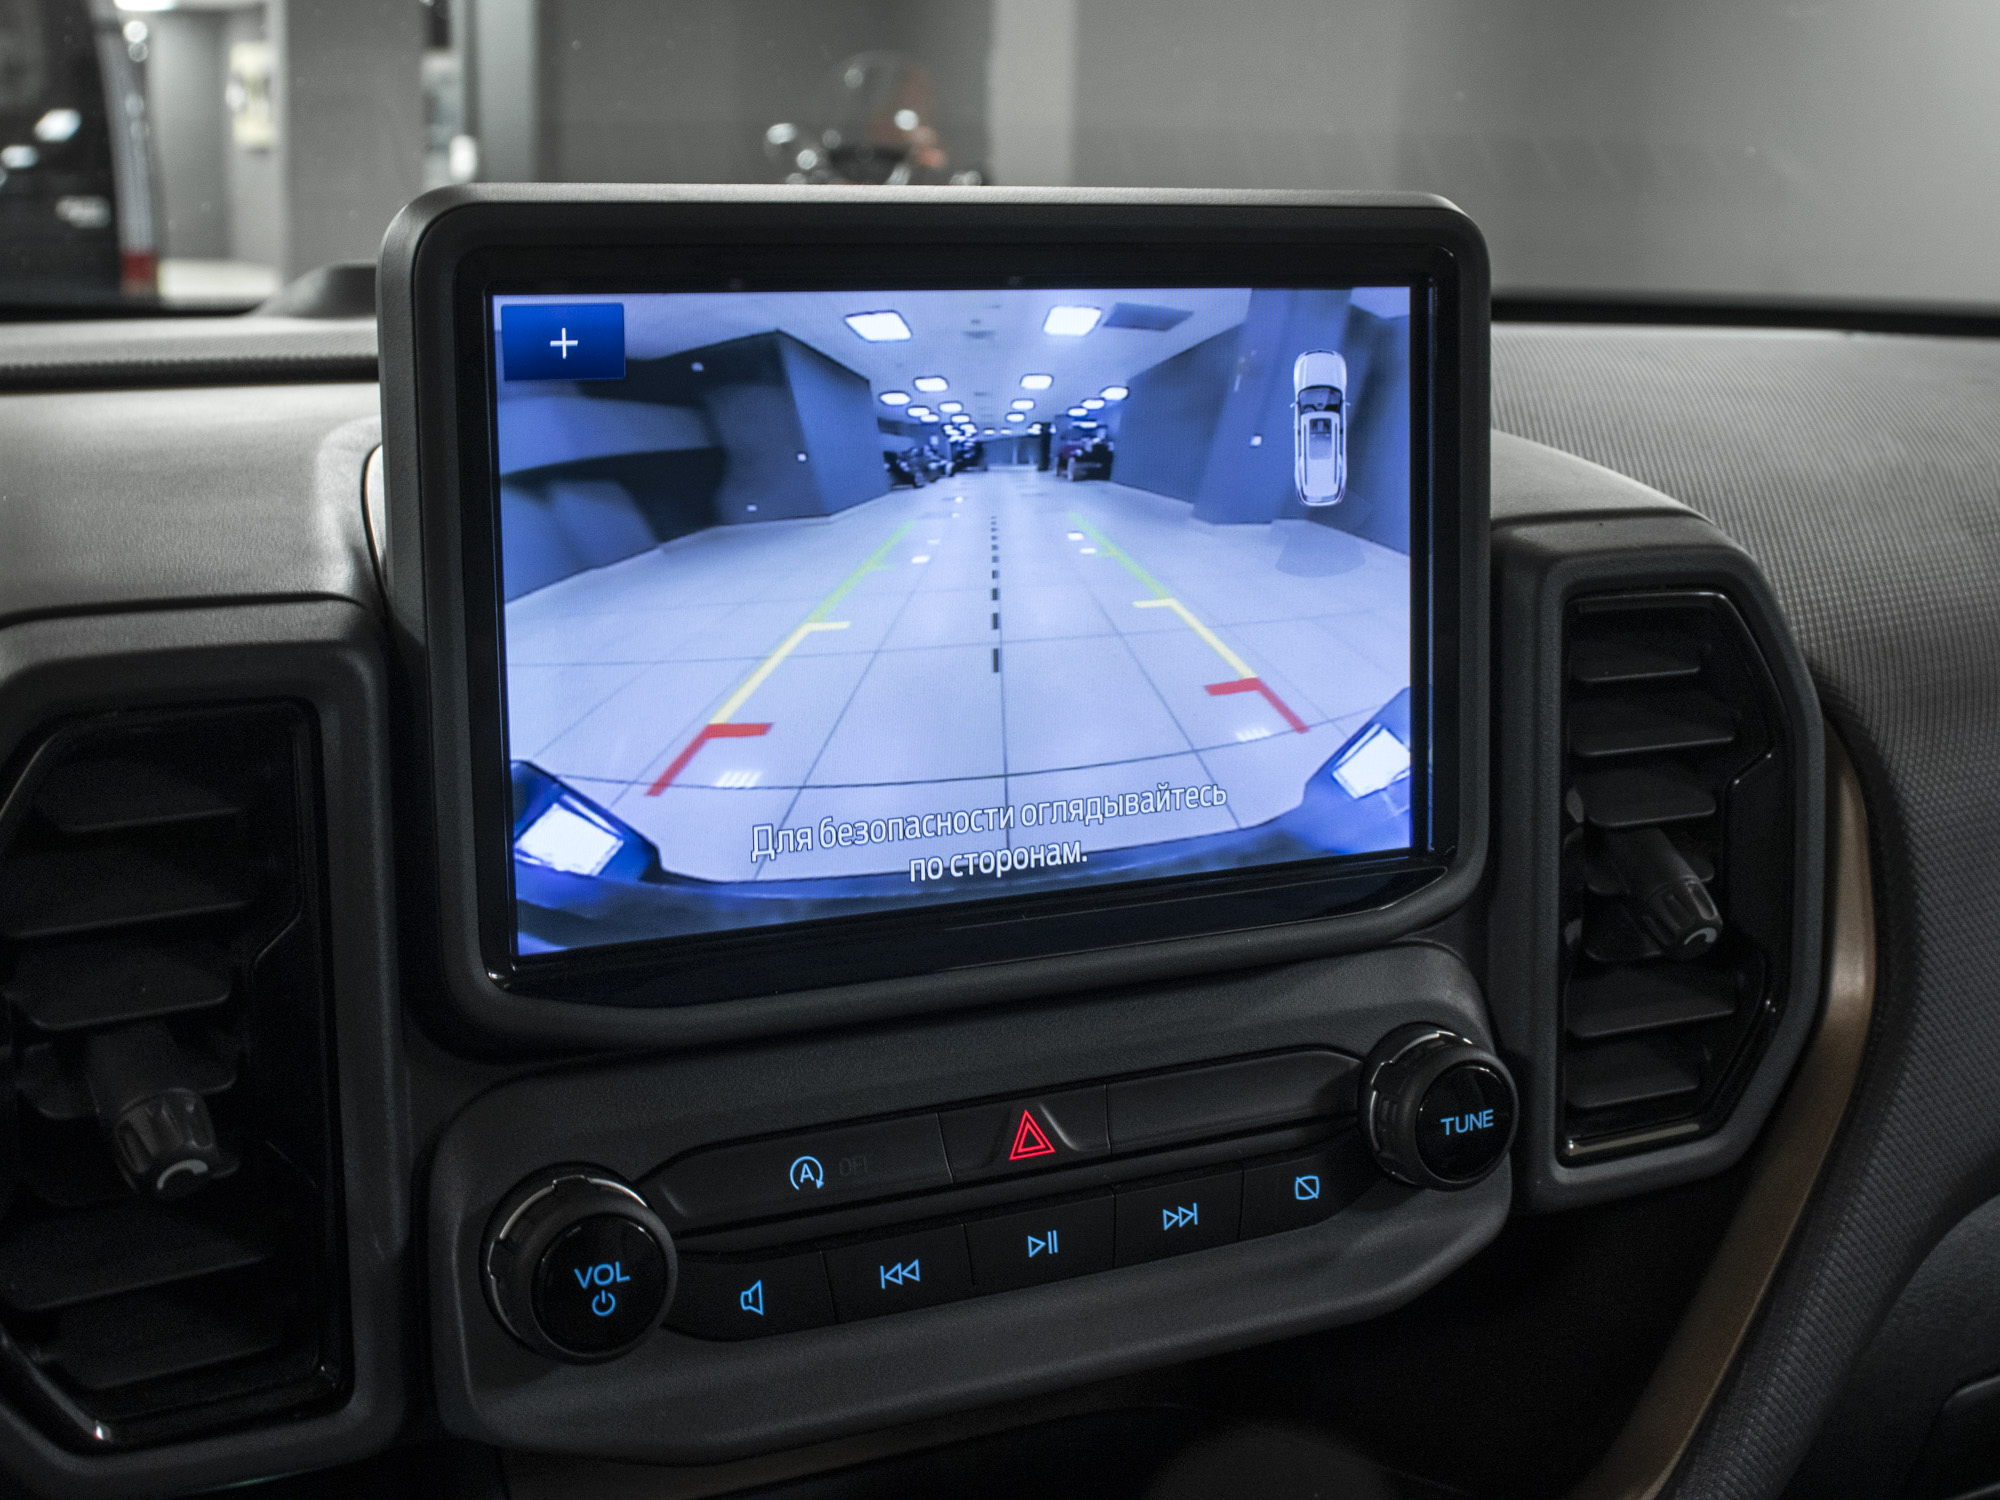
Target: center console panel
1185	1140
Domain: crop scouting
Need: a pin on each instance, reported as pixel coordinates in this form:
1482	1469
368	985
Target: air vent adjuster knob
1437	1110
1668	897
576	1266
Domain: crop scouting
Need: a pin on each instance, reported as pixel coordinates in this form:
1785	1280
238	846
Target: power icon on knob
577	1266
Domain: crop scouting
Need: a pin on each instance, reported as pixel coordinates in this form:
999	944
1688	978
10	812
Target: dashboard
1499	997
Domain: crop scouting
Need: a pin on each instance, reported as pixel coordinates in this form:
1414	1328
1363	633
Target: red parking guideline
1257	685
708	732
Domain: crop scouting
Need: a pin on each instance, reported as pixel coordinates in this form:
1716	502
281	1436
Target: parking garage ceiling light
944	405
930	385
932	417
1037	382
1093	403
58	125
1071	322
920	411
894	398
1114	393
1076	411
884	327
1022	404
1014	416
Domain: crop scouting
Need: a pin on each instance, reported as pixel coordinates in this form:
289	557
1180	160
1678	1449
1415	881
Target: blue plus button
562	341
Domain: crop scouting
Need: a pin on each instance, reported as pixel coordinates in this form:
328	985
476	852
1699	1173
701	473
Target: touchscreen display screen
819	604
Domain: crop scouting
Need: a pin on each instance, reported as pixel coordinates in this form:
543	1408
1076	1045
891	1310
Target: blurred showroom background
1710	146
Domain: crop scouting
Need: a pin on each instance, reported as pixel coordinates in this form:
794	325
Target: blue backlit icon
751	1298
1305	1188
562	341
900	1273
807	1172
1180	1218
604	1304
1043	1244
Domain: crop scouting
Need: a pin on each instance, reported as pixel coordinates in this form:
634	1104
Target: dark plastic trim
421	396
327	656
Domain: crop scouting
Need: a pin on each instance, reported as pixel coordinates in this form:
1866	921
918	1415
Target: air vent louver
169	1246
1676	888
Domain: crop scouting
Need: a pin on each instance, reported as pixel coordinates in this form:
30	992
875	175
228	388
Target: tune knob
576	1266
1437	1110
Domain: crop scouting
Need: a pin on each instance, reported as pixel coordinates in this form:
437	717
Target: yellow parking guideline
815	621
1236	663
1161	599
873	564
769	665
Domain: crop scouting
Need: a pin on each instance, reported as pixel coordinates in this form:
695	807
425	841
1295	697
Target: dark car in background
906	467
78	221
1092	459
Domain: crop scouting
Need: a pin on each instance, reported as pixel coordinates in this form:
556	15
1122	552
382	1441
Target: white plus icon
565	343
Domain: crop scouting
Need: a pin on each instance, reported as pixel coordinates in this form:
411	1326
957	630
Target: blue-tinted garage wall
797	430
1213	425
1167	423
836	416
761	428
586	482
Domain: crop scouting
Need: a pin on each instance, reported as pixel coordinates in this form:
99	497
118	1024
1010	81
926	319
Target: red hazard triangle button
1031	1133
1029	1140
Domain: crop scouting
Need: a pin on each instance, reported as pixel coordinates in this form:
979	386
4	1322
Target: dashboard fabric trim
1642	1460
1858	471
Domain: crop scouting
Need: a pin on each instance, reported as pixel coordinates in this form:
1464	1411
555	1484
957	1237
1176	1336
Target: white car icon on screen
1319	426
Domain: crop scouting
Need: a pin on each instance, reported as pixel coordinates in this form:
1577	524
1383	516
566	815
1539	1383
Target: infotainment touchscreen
823	604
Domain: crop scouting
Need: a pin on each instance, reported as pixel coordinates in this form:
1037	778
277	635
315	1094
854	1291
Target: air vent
169	1247
1677	879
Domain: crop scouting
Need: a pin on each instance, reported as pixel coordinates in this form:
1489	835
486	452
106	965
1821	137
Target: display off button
1041	1245
1198	1214
748	1299
800	1173
1306	1189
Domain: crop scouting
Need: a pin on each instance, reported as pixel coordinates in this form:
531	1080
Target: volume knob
1437	1110
576	1266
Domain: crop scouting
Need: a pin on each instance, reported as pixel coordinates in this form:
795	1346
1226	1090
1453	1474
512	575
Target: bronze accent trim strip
1645	1454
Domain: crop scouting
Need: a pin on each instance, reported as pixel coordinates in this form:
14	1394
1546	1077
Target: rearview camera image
829	603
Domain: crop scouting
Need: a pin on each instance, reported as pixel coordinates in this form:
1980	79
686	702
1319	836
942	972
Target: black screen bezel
431	360
926	939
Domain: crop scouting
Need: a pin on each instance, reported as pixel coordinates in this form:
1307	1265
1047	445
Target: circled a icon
807	1172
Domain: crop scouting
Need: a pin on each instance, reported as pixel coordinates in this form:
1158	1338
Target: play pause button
1041	1245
